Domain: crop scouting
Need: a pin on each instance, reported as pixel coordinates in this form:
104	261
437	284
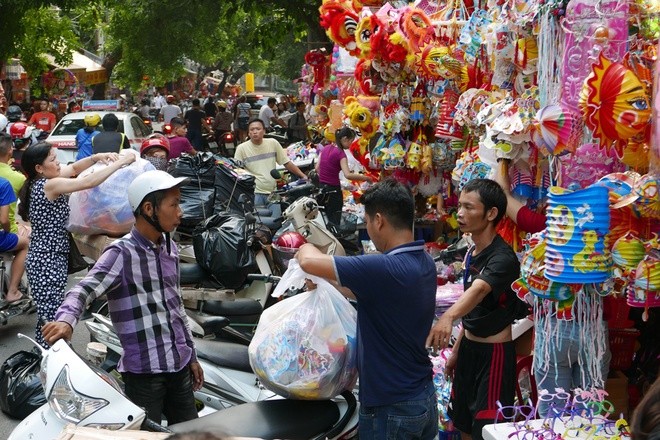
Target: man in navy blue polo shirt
395	293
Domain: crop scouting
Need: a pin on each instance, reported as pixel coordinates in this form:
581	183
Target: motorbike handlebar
151	426
268	278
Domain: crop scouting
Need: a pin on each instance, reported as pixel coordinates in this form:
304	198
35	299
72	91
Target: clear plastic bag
305	346
104	209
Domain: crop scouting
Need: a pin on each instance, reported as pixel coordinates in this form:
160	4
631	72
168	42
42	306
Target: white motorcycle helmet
3	122
147	183
150	182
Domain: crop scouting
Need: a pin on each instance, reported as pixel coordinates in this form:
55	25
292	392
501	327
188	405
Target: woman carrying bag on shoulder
44	203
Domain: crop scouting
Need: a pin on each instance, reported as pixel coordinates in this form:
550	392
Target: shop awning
86	70
72	67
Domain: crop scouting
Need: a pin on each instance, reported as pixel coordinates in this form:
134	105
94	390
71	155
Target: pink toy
589	32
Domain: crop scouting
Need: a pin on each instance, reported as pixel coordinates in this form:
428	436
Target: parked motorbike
228	376
279	134
84	395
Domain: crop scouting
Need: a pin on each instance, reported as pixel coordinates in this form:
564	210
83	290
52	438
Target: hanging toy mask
367	27
435	62
615	103
360	117
368	78
339	20
415	26
320	62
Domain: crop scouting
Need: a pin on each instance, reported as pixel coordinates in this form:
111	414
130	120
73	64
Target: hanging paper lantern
628	251
636	154
619	185
645	291
647	189
559	128
577	223
614	102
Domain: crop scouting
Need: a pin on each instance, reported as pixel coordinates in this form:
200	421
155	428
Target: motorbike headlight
43	369
68	403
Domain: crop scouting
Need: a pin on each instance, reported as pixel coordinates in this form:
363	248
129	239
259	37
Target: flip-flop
4	303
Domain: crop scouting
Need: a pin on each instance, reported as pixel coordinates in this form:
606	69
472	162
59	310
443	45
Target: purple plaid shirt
141	281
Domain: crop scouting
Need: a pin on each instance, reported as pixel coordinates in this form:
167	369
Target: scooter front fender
42	424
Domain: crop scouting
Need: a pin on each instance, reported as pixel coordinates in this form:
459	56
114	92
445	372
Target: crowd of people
395	289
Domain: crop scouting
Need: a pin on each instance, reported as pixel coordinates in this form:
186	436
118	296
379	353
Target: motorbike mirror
275	174
250	218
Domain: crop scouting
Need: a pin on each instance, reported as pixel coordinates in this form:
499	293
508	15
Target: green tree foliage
154	38
27	27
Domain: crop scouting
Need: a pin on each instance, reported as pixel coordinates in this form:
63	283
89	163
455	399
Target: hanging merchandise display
565	92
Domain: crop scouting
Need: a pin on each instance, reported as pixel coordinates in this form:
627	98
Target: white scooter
86	396
228	376
304	216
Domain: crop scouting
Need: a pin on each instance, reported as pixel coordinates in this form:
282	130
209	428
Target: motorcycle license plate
213	145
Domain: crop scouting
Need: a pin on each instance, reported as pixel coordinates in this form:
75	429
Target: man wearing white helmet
139	273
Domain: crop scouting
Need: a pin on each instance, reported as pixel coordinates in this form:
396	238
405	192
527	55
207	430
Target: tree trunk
109	63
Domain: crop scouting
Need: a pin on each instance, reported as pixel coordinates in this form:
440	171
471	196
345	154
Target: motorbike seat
269	419
237	307
224	354
192	274
209	323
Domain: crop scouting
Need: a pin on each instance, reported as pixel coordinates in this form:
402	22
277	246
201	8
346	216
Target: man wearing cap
169	111
139	273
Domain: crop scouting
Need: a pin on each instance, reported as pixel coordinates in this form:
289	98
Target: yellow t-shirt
16	180
260	160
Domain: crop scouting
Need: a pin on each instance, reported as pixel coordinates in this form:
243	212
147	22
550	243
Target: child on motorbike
140	276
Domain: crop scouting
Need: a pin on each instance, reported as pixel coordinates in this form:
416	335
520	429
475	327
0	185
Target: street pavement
10	344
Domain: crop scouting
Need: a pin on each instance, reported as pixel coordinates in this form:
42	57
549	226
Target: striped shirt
260	160
141	281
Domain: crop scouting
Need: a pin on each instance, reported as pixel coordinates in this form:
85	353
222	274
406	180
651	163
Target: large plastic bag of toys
305	346
104	209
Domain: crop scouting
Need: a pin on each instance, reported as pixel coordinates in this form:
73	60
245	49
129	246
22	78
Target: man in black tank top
109	140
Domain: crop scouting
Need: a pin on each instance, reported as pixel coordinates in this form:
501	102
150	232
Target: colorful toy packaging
305	346
104	209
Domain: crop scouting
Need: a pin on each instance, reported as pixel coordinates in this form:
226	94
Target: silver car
63	136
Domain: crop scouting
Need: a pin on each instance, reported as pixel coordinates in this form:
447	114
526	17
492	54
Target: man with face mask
156	150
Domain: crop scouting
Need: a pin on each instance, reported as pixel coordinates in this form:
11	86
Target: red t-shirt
530	221
43	120
178	145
